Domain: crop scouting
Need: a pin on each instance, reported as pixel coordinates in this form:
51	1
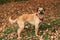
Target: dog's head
40	10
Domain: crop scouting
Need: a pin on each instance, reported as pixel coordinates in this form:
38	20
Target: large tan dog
34	19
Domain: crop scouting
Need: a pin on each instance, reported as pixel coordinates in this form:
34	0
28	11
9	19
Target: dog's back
26	17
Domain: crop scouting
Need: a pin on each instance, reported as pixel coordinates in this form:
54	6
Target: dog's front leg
36	29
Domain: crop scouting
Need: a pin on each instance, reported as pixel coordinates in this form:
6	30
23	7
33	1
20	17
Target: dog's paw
37	35
19	38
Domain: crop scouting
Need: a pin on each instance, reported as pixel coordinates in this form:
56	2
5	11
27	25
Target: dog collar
39	17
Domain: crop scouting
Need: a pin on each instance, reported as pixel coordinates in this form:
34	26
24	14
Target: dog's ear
44	9
37	9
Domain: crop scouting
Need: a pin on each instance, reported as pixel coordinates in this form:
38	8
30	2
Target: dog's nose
41	13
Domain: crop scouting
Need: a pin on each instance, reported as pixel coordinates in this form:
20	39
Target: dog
34	19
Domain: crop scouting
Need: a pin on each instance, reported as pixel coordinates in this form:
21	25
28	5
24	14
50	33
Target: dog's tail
12	21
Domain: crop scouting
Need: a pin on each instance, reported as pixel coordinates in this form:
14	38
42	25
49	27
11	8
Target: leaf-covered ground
49	29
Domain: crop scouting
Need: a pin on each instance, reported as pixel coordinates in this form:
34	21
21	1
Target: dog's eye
39	10
42	10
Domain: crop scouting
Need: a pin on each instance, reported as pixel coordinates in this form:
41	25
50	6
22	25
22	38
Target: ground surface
49	29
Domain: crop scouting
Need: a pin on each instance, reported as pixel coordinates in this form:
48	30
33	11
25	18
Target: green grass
45	37
6	1
8	30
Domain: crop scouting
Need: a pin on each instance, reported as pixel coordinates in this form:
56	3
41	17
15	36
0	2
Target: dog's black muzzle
41	13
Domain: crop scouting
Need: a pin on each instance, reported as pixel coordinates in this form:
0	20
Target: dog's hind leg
20	29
